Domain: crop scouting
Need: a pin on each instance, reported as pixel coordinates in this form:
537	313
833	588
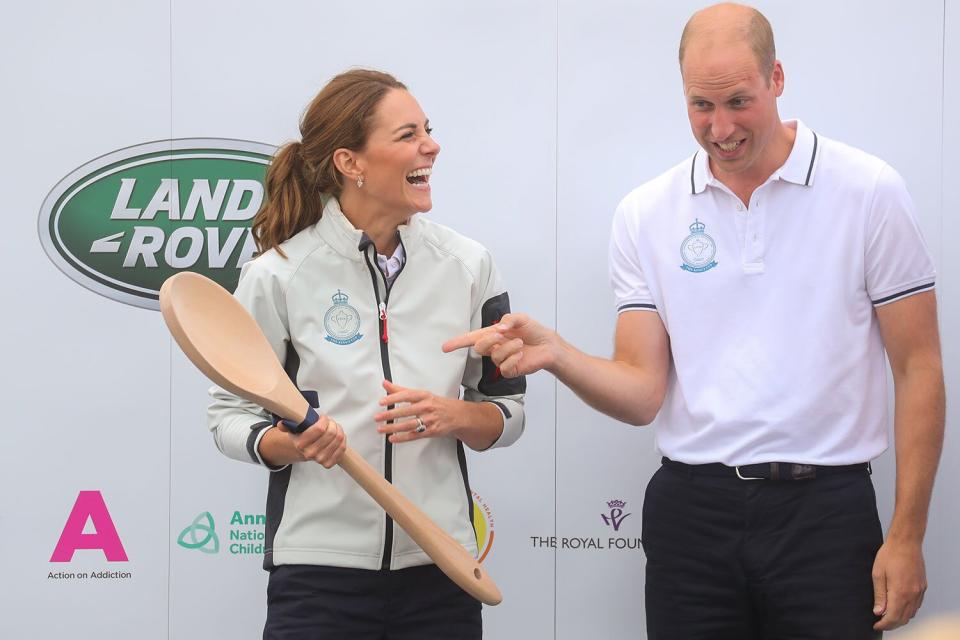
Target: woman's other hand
417	414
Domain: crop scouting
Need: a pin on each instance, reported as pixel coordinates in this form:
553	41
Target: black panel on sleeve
491	382
252	439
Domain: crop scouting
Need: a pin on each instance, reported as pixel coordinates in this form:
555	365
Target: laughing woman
356	293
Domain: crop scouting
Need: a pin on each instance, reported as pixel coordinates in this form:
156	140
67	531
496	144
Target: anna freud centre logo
200	534
245	534
123	223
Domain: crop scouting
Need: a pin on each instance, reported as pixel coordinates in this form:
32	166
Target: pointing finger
465	340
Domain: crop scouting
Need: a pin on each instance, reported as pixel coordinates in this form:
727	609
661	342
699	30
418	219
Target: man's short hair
757	32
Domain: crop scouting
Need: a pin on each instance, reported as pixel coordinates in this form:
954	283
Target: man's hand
899	582
629	387
910	336
518	344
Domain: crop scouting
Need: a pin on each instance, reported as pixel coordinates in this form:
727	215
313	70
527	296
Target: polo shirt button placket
753	251
756	234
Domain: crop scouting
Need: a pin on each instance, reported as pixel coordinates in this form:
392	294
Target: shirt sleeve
482	380
238	425
897	262
630	290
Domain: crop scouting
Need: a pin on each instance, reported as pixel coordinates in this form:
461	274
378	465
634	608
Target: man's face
732	106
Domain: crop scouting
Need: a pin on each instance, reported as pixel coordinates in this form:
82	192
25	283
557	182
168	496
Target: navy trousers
332	603
751	560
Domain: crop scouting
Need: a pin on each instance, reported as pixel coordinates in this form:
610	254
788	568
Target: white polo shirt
776	350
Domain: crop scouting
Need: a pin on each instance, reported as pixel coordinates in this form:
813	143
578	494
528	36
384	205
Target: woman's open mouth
420	178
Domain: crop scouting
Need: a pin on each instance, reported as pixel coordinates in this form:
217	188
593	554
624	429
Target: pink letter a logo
90	505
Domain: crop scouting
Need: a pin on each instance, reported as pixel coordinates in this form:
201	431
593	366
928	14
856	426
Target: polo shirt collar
802	161
799	168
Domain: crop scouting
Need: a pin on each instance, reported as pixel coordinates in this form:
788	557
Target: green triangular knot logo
201	535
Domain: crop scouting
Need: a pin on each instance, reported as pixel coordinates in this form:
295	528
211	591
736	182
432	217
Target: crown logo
697	226
616	504
340	297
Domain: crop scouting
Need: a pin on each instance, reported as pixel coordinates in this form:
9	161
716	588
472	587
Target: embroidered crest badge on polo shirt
698	250
341	321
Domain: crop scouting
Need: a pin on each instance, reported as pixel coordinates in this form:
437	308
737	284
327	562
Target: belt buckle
743	477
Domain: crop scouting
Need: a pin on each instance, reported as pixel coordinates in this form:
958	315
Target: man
758	285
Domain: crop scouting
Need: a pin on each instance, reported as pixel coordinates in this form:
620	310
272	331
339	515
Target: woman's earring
360	181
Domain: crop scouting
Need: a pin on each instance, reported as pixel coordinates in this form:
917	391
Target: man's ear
779	78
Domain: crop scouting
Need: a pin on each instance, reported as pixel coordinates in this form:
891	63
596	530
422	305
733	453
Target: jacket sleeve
482	381
238	425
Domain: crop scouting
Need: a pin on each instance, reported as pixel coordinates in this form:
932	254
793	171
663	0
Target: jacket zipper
385	362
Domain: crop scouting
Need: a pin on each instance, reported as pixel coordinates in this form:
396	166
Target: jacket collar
340	234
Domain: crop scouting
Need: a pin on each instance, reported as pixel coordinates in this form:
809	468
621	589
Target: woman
356	294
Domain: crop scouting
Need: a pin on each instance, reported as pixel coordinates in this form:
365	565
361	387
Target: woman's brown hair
340	116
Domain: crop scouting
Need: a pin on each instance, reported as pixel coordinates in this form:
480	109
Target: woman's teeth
419	176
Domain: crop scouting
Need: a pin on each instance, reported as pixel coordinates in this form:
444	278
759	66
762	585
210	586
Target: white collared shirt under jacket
340	331
770	308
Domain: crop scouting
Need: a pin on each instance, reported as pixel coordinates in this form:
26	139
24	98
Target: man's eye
429	130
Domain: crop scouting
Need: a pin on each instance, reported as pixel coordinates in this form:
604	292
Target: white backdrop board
943	564
86	379
548	112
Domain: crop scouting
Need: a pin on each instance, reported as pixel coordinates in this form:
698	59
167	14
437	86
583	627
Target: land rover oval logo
123	223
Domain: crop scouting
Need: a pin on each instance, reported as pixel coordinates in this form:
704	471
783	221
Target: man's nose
721	125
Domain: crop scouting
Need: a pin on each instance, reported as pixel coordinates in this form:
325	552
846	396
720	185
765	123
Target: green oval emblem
123	223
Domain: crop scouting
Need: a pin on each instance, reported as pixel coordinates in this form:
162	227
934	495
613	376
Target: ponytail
292	203
340	116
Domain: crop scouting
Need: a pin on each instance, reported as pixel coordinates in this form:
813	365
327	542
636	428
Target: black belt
766	470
